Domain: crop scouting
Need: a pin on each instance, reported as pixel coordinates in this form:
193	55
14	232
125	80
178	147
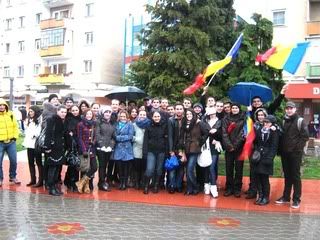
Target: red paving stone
309	205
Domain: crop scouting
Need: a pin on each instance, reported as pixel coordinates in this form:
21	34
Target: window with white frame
89	38
60	14
60	68
87	66
21	21
279	17
6	71
20	71
8	23
36	69
38	18
21	46
37	44
89	9
7	48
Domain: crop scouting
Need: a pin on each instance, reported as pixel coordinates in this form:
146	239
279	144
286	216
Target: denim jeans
192	184
11	150
176	177
213	169
154	164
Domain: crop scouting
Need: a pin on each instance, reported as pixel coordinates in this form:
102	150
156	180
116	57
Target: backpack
299	123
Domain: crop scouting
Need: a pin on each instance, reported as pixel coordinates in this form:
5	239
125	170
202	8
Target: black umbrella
126	93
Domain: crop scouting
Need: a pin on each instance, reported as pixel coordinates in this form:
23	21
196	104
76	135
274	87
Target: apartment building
73	48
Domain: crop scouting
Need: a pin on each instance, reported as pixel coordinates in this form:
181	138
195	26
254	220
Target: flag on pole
250	136
214	67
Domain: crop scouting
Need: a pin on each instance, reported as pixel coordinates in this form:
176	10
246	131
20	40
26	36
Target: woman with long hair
33	129
87	139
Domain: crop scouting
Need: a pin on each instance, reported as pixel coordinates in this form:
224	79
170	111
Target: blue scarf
121	124
143	124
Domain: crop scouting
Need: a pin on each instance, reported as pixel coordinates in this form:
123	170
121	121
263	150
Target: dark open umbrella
126	93
243	92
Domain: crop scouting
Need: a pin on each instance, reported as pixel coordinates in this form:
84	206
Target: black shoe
264	201
258	200
103	187
251	195
53	192
228	193
38	184
237	194
195	192
282	200
155	188
179	190
171	190
31	183
58	190
188	193
146	190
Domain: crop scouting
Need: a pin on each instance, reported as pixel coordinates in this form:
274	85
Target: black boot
264	201
260	197
146	185
104	187
53	192
156	185
33	176
40	180
58	190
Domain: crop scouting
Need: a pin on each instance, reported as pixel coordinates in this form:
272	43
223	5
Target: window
6	72
21	22
51	38
89	9
279	17
21	46
87	66
36	69
8	24
37	44
20	71
59	68
61	14
89	38
38	18
9	3
7	48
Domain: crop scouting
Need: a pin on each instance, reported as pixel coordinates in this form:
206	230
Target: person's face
134	113
256	102
164	103
267	124
142	115
62	113
260	116
95	108
2	108
235	110
115	105
290	111
123	117
211	102
107	114
75	111
155	104
156	117
186	104
55	101
189	115
170	110
179	110
227	108
142	108
197	109
122	106
89	115
219	107
31	113
68	104
83	107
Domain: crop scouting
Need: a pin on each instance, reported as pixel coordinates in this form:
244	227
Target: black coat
155	138
268	146
55	140
105	133
72	122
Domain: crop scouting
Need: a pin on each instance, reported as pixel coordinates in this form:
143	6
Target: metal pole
11	93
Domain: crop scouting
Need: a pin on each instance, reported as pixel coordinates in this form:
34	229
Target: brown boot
86	188
81	183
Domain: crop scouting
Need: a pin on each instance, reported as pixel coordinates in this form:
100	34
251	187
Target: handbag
171	163
72	158
205	158
255	157
39	143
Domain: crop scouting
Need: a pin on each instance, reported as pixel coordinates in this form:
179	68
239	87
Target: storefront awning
303	91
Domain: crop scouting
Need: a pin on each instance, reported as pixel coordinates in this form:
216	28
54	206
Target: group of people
128	145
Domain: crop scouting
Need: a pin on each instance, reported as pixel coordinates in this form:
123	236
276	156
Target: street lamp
11	79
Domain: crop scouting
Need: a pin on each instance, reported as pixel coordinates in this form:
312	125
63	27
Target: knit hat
51	96
68	99
106	108
198	105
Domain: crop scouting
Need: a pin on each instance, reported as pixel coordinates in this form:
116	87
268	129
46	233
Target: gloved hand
218	146
85	154
109	149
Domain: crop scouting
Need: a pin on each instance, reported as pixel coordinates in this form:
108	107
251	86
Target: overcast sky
245	8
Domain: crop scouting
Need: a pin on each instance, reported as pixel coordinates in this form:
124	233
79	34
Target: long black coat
268	146
55	140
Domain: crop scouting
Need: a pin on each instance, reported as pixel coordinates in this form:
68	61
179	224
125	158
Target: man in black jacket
294	138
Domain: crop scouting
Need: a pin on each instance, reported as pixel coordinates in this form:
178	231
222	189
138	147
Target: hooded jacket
8	124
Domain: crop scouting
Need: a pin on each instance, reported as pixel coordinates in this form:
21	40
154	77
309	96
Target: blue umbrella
243	92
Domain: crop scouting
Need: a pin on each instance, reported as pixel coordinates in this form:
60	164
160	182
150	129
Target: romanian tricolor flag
250	136
287	58
214	67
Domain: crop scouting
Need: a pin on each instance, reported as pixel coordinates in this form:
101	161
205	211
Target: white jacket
31	133
138	141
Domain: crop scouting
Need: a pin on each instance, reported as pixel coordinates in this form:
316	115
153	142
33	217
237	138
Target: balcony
52	51
57	3
52	23
51	79
313	28
313	72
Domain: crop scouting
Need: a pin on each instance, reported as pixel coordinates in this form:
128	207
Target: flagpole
211	79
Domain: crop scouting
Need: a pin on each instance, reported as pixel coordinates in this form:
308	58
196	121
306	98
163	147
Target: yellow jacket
8	124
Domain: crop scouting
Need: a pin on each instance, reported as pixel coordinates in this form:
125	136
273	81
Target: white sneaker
214	191
207	188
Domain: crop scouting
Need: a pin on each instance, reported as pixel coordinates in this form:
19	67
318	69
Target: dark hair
178	104
94	104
